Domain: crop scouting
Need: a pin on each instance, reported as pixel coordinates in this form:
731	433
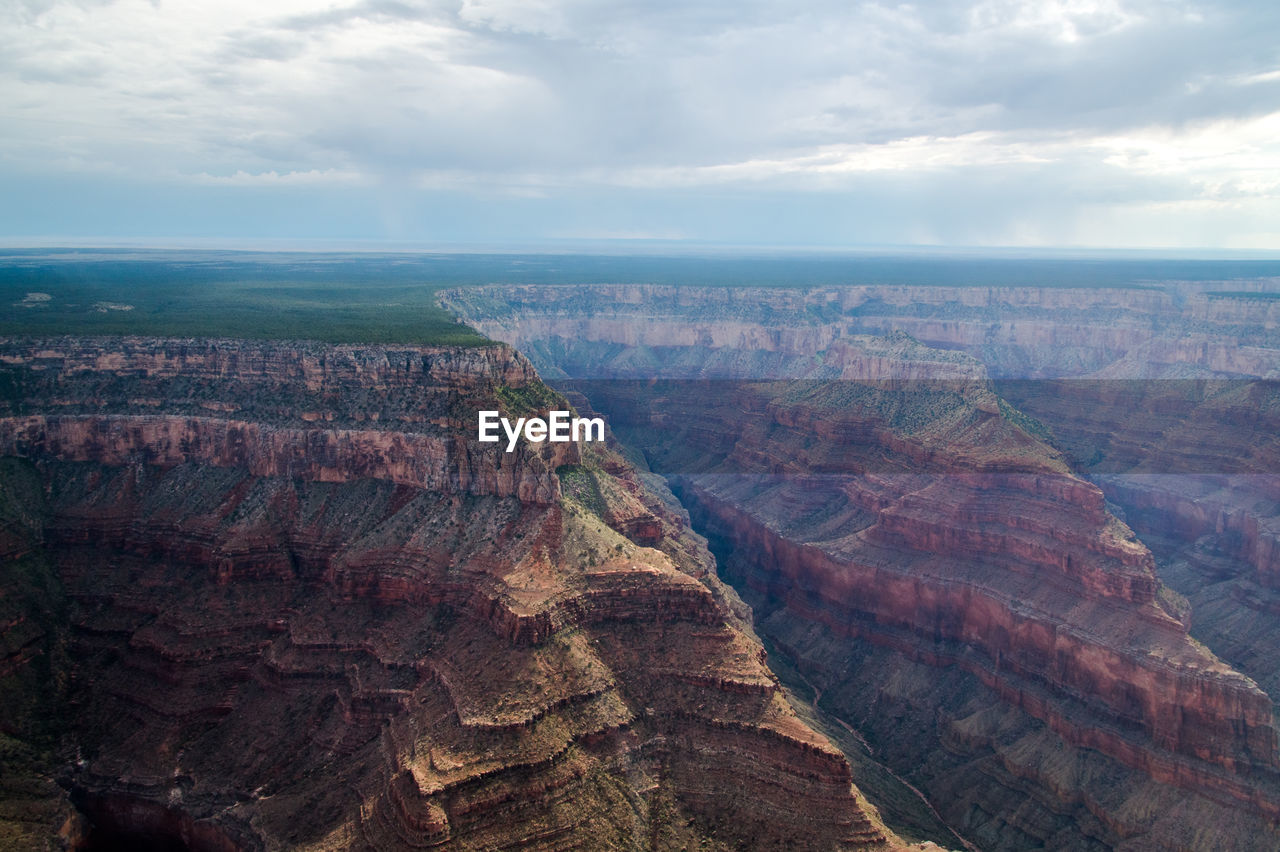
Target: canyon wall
1193	465
925	552
1153	330
292	603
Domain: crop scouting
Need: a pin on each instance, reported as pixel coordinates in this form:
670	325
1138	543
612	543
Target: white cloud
536	98
1067	21
1230	167
274	178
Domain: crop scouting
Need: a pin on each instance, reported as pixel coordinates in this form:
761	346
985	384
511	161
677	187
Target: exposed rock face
34	811
331	414
1193	464
1016	332
376	632
1186	458
931	562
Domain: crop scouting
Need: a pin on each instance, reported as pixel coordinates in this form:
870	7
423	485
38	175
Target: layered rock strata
305	609
1194	467
331	414
1016	332
34	811
885	526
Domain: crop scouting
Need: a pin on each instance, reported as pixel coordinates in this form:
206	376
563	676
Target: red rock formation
449	463
890	526
387	637
1188	458
1050	585
1193	464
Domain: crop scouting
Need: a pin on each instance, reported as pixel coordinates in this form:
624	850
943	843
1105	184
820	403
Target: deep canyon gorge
292	603
1021	538
859	567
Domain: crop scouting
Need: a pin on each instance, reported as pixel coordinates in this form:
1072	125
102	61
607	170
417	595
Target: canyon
1021	539
856	567
276	595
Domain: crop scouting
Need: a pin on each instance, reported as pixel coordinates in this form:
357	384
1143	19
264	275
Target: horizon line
612	246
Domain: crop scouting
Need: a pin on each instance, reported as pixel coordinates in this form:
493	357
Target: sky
1102	123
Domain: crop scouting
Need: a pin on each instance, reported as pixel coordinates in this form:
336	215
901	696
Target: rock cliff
1016	332
921	549
1193	465
294	604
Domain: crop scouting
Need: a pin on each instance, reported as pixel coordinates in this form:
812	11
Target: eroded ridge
327	655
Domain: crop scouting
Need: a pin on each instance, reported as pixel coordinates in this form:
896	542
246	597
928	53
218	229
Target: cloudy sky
989	123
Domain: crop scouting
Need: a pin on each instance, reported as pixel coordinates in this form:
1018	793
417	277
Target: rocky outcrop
451	464
1193	465
299	367
293	624
888	525
407	415
1186	458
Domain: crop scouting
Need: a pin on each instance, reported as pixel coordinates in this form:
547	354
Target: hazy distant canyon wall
1028	332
